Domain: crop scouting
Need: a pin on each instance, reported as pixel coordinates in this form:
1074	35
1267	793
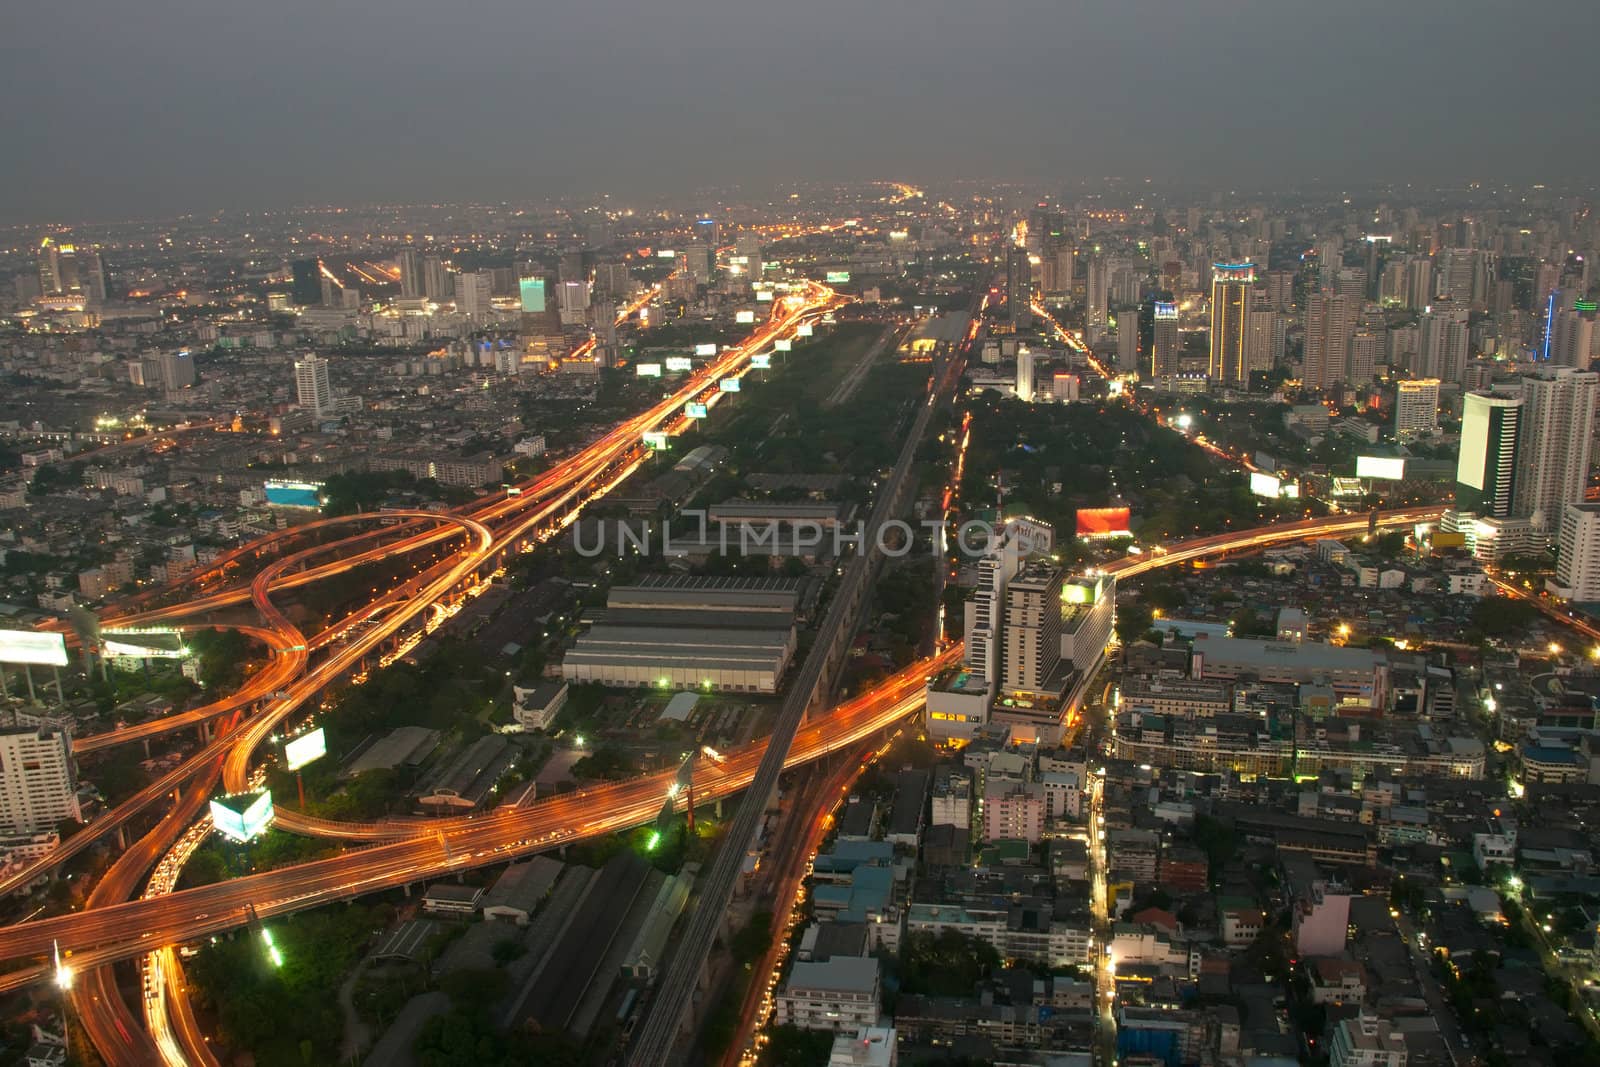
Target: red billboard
1104	522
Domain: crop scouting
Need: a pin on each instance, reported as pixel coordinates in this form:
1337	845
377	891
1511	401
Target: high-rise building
311	385
1065	260
1458	269
1330	321
1280	289
1416	408
177	369
1031	637
410	265
474	293
1097	297
612	279
437	285
1553	453
307	288
1231	286
1486	471
1019	287
1330	259
1419	282
1024	374
1366	349
1578	554
700	262
1165	351
38	784
1128	339
1572	336
1443	343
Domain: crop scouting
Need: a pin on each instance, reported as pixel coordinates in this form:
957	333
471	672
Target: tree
1499	616
1133	620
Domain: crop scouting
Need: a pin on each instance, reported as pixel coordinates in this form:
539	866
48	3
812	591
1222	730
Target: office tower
1419	282
1351	282
1024	374
705	232
1553	453
437	285
332	294
1330	258
410	265
1392	283
1487	468
1280	289
474	293
1366	350
1031	638
1231	286
1097	297
1442	345
1416	408
612	279
533	294
93	274
1571	337
1263	339
1124	289
307	288
1330	320
1165	351
1019	287
1457	270
177	369
38	786
573	302
49	268
699	262
1064	387
1065	259
1578	554
1128	339
311	385
1545	280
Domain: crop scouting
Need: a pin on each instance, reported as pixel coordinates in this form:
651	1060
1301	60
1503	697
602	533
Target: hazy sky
117	109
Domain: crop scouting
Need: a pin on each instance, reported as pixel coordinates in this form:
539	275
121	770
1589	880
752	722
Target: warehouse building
723	634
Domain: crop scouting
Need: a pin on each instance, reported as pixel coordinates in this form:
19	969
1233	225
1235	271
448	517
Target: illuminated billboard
1165	310
1265	484
761	360
28	647
729	385
838	277
666	253
1104	522
805	329
154	643
679	364
705	350
783	345
648	370
242	817
694	410
282	494
1347	487
532	294
655	439
307	748
1382	467
744	317
1081	591
764	295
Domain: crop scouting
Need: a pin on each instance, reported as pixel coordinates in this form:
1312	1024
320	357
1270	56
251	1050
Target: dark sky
118	109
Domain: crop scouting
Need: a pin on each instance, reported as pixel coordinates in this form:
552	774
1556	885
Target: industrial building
710	634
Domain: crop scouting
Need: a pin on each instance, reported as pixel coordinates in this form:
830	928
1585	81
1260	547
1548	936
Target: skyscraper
1097	297
436	282
38	786
1416	408
410	265
1457	269
1164	348
307	290
474	292
1330	320
1487	468
1553	453
1578	554
1032	633
1019	287
1231	286
1572	336
311	385
1443	343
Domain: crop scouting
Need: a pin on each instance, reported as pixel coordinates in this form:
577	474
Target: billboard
1348	487
532	294
1267	485
28	647
655	439
666	253
705	350
805	329
744	317
761	360
729	385
838	277
1382	467
783	344
243	817
764	295
1104	522
1449	539
679	364
153	643
647	370
307	748
1165	310
282	494
694	410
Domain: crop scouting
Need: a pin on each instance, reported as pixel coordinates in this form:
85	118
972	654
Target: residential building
312	390
1416	408
1557	426
1487	469
38	782
1578	554
839	994
1231	287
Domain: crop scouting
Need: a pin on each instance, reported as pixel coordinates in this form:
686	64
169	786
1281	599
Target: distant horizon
170	108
